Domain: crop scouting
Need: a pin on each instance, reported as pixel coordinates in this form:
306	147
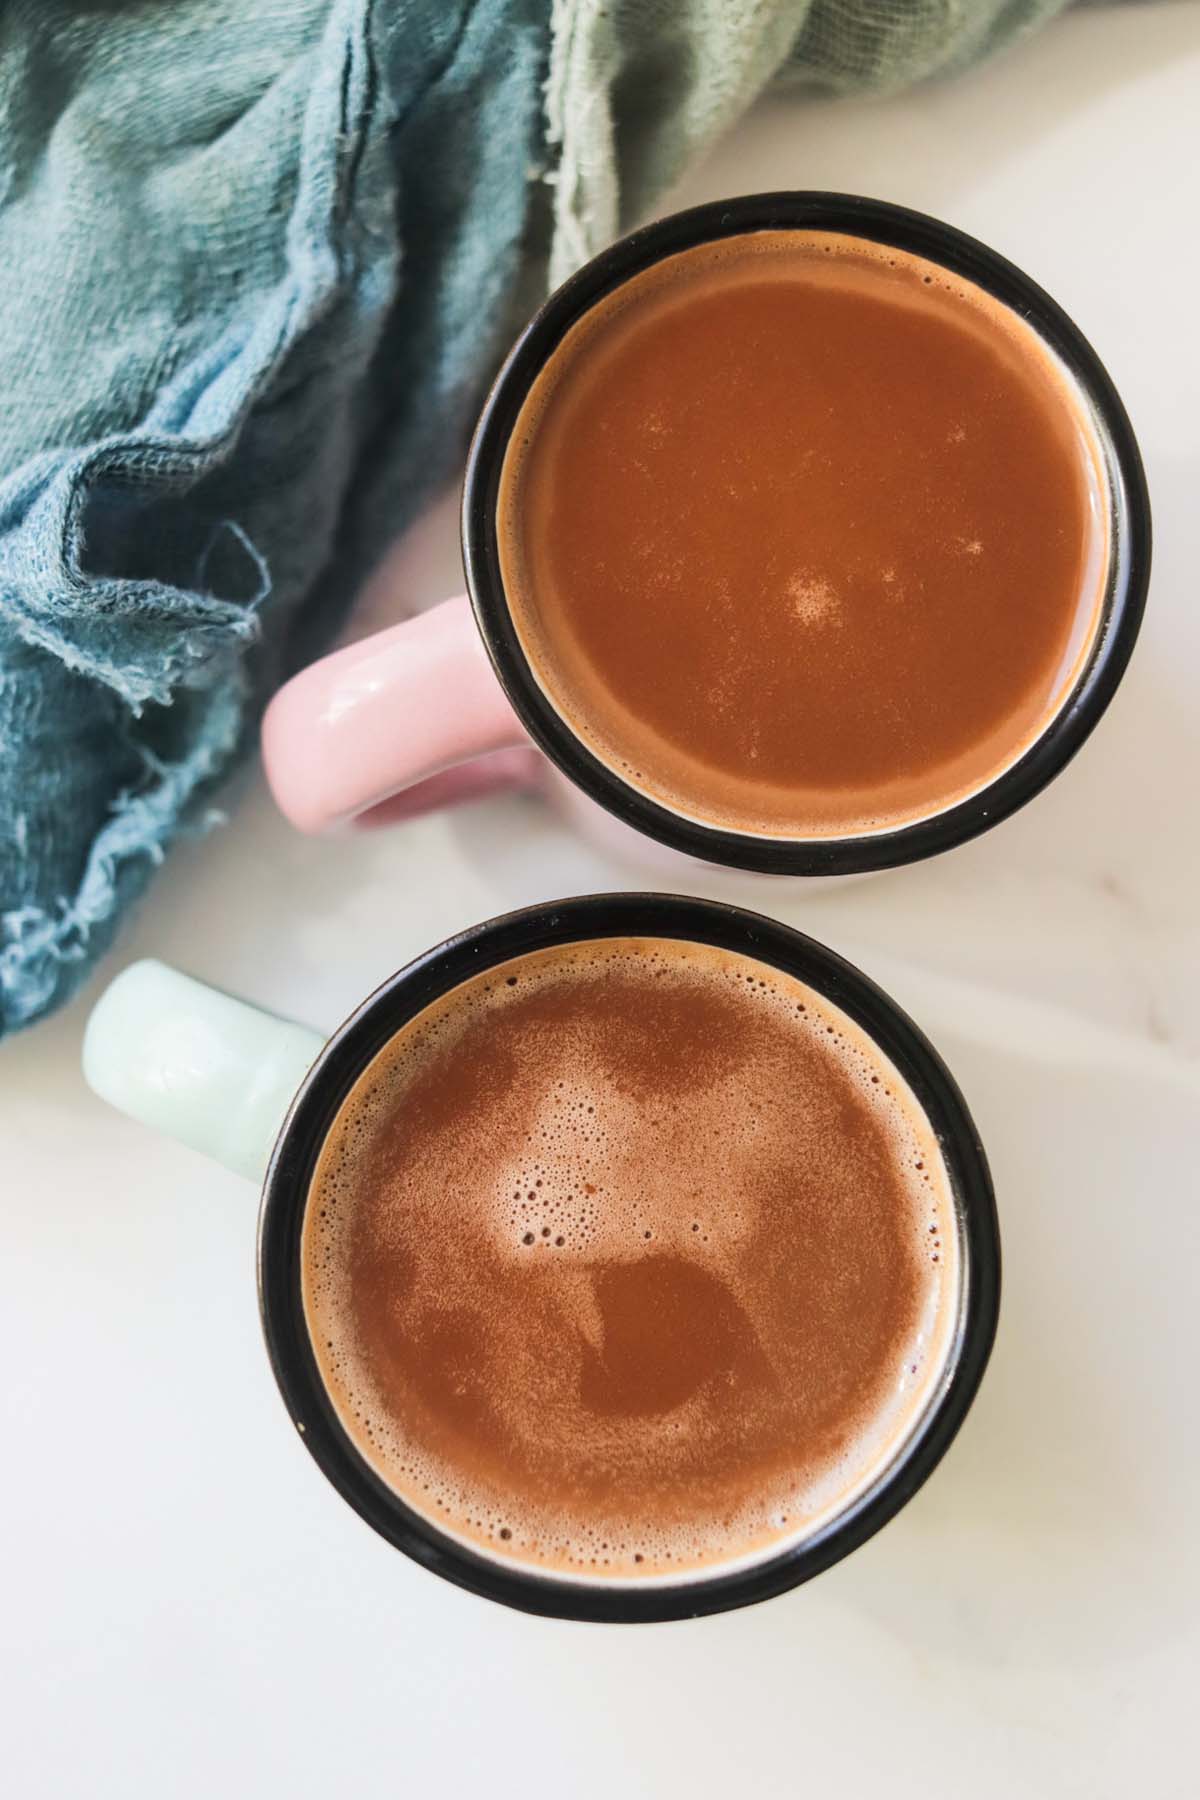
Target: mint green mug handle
212	1071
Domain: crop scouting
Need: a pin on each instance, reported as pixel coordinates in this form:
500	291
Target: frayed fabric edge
46	953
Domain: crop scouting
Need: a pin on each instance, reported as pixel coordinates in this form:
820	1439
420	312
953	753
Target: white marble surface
187	1607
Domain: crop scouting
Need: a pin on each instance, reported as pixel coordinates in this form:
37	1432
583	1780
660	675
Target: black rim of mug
879	222
482	947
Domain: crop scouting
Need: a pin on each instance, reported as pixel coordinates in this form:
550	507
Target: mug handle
212	1071
407	720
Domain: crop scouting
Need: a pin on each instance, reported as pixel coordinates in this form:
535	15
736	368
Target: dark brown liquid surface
629	1258
803	536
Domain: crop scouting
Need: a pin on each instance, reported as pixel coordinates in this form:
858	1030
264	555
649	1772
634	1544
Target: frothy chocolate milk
629	1259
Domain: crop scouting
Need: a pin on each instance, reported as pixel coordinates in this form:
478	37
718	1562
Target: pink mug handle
405	721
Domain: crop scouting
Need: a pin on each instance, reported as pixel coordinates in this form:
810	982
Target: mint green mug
260	1094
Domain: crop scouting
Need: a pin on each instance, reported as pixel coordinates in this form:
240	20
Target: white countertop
189	1609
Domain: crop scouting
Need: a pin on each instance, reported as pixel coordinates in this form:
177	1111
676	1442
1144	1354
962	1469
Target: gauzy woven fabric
259	257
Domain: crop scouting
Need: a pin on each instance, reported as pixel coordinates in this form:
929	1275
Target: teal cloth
258	261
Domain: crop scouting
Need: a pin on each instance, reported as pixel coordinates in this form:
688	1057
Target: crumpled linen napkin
258	260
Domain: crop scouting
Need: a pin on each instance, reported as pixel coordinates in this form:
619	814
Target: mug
260	1094
446	706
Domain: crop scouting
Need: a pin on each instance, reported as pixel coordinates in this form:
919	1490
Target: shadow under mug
260	1093
446	706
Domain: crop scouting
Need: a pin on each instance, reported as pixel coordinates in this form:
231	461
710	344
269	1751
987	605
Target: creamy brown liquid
629	1258
804	536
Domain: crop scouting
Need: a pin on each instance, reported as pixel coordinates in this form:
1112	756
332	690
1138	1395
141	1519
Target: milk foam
578	1189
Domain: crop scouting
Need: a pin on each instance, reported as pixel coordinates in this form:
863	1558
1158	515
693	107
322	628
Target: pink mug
446	706
410	720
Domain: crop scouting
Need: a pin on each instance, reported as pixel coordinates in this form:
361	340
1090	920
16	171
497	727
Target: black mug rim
481	947
918	233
